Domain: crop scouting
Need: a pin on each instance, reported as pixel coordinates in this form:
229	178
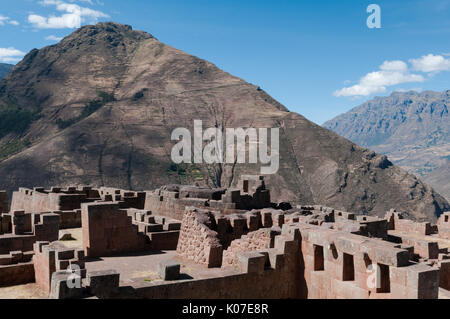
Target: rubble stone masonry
197	241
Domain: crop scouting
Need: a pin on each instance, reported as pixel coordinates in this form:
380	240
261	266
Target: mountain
440	180
99	107
412	128
4	69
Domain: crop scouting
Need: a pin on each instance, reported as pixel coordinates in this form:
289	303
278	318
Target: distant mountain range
4	69
440	180
412	128
99	108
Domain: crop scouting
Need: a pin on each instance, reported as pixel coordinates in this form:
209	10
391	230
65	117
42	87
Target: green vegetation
11	148
90	108
14	119
197	174
185	171
176	169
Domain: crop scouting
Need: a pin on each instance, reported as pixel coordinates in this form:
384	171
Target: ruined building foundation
193	242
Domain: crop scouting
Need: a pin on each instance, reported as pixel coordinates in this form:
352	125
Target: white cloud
73	16
10	55
6	20
396	65
53	38
3	19
396	72
88	1
390	73
431	63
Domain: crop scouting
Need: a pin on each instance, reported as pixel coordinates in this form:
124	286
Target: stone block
65	254
61	286
103	284
252	262
423	281
169	270
153	228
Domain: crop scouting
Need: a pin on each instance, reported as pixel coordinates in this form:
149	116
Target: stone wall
5	223
4	205
198	242
46	230
296	268
67	202
336	264
254	241
161	231
108	230
69	219
40	200
444	276
51	257
444	225
264	250
422	248
272	274
396	221
129	198
16	268
172	200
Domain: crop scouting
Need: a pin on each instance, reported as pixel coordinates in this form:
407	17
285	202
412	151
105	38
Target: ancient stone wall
254	241
16	268
161	231
166	201
309	261
67	202
198	242
396	221
46	230
39	200
51	257
171	200
260	249
444	225
5	223
129	198
444	274
4	204
271	274
108	230
336	264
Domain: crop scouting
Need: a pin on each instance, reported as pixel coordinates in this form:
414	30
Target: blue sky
318	58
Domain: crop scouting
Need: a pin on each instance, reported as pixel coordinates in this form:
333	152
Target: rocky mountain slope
412	128
440	179
4	69
99	108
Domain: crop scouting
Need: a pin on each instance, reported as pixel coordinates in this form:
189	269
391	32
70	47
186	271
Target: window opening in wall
319	260
348	268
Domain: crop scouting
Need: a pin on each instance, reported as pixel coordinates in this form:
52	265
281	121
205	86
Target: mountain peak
411	127
110	31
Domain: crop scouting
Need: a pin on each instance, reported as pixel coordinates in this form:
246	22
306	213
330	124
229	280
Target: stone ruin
194	242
